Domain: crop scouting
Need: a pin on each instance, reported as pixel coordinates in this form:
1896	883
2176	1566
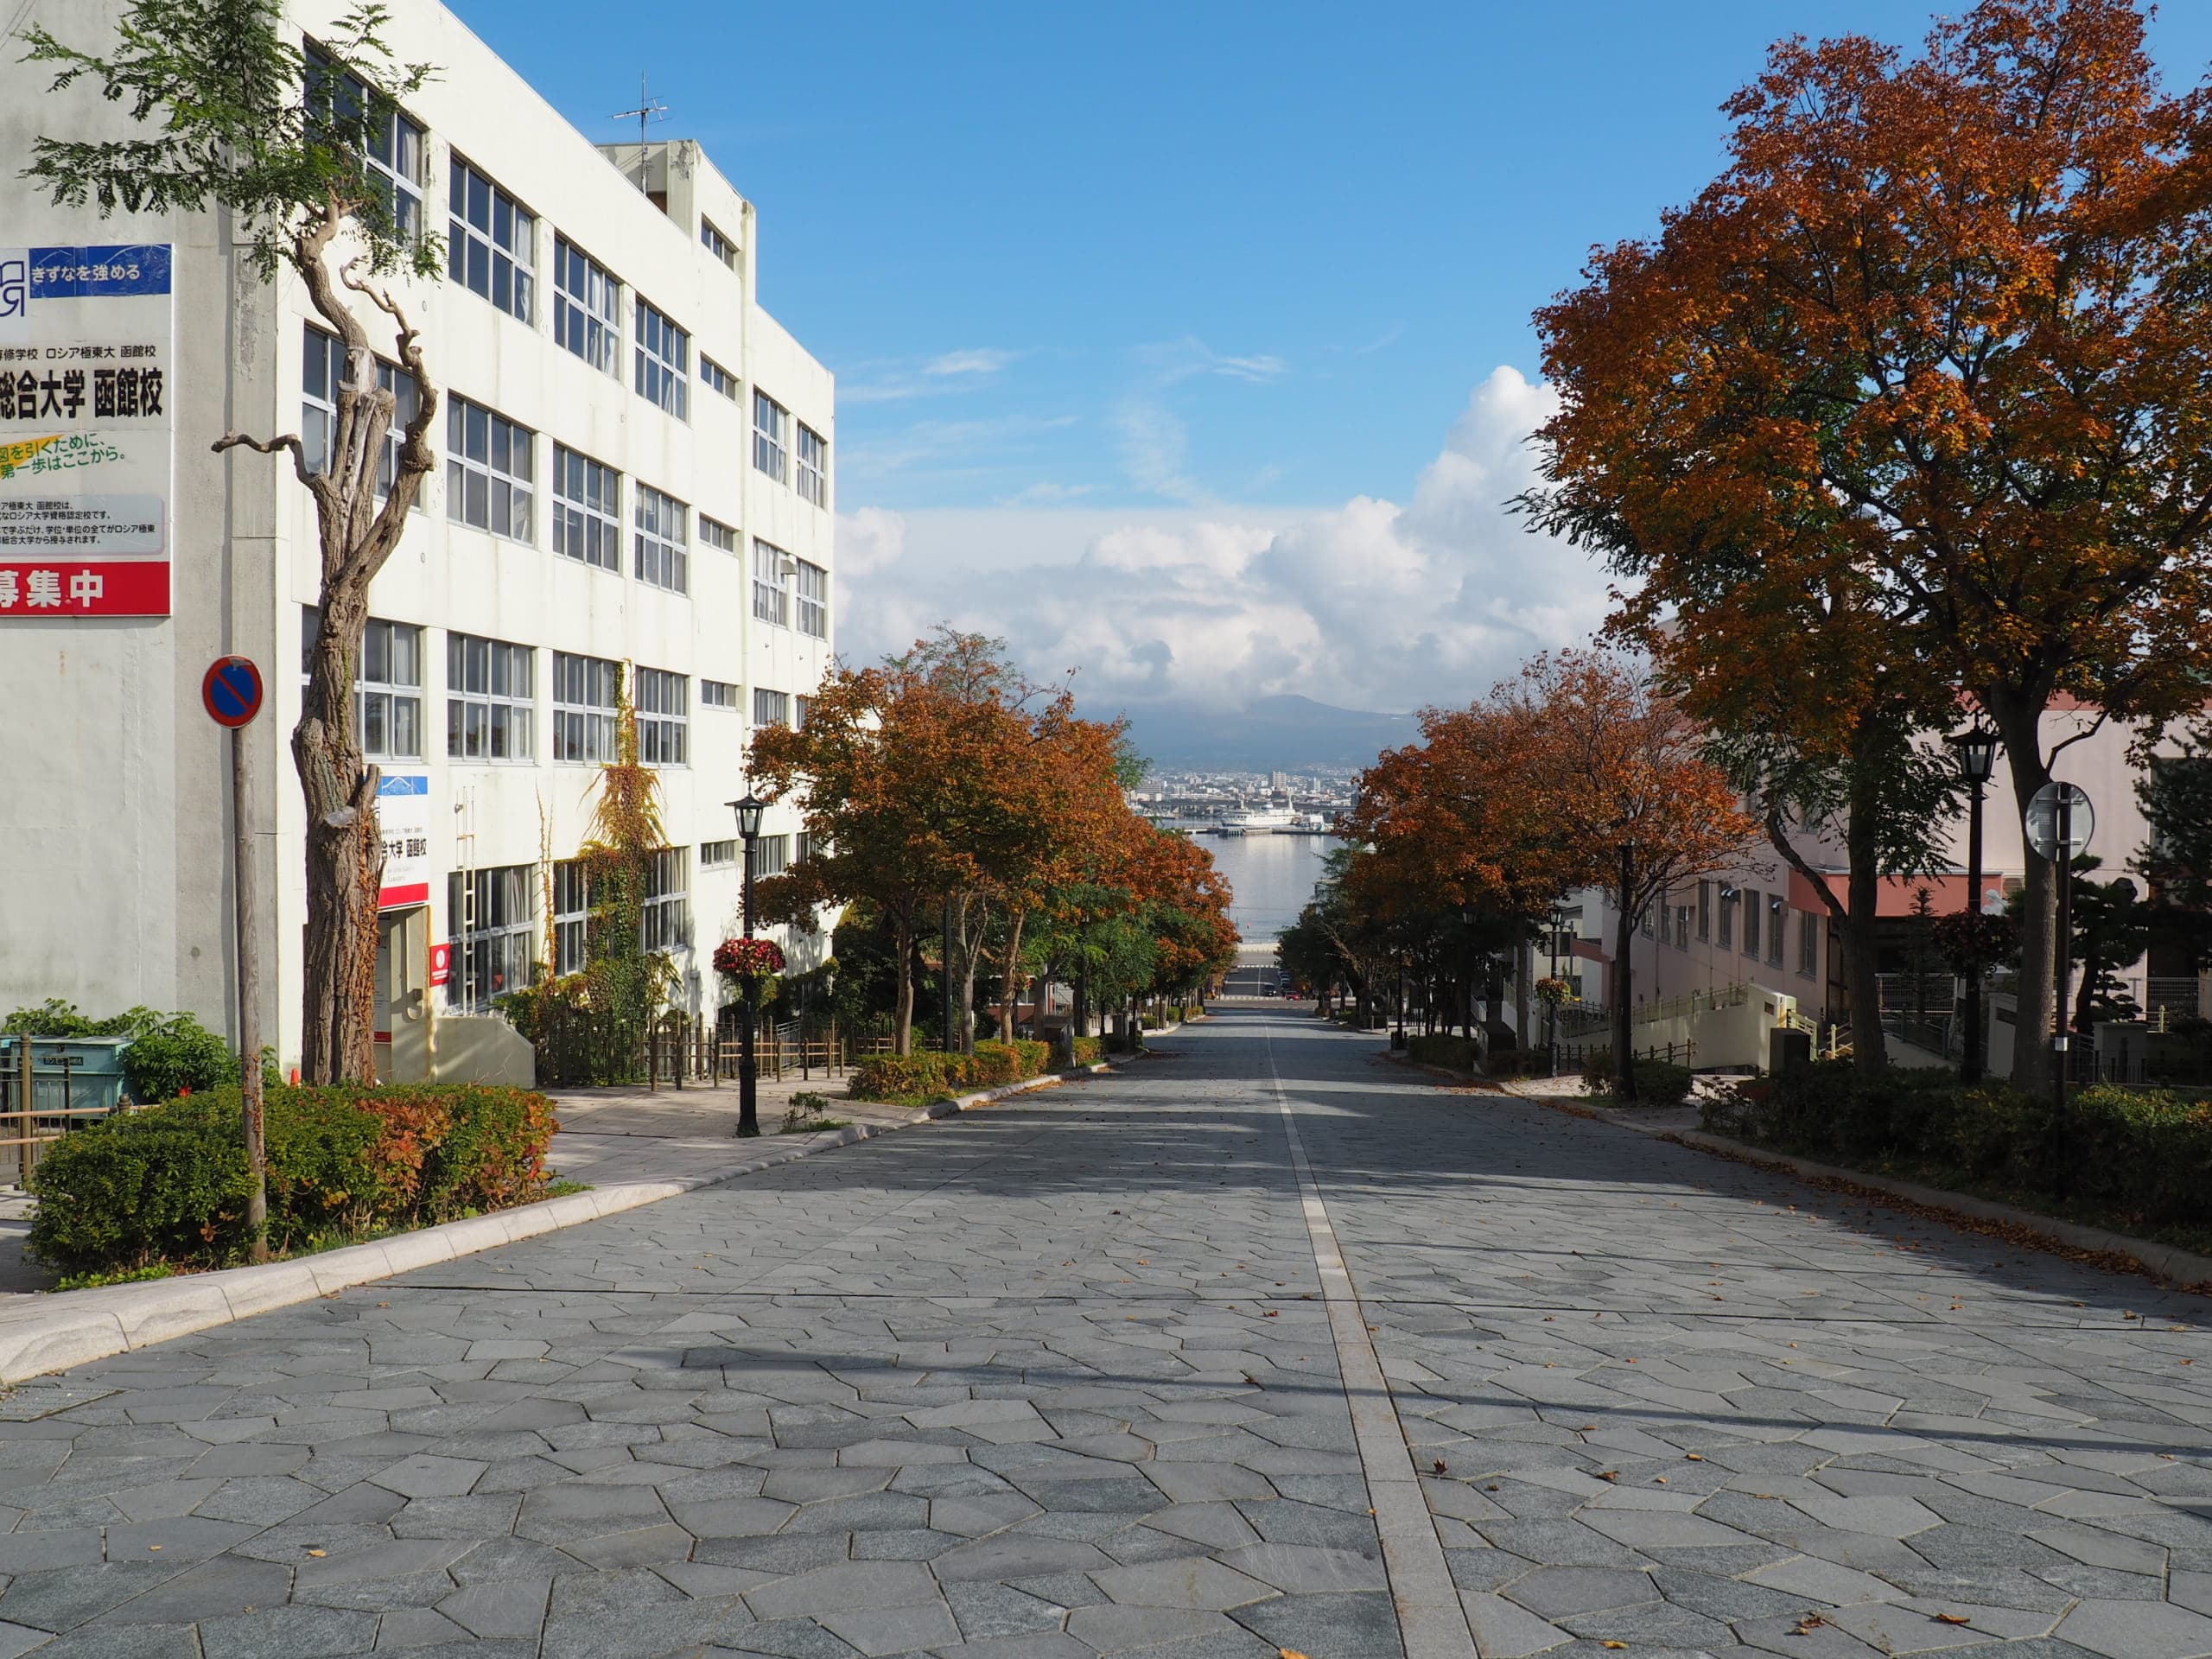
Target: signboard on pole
87	431
403	822
231	690
2044	815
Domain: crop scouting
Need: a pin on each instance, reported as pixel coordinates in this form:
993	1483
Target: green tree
233	114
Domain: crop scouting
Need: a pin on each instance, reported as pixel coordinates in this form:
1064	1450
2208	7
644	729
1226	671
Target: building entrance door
403	993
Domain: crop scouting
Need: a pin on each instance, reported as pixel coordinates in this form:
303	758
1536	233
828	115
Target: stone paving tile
1056	1378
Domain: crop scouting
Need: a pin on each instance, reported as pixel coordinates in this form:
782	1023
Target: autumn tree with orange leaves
1578	772
941	786
1938	341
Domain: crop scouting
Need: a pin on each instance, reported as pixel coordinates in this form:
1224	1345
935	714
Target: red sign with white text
94	588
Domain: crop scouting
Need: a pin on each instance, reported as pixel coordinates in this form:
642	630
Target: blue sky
1089	269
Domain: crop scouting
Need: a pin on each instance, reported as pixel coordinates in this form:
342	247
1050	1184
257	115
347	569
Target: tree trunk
1624	939
345	860
975	907
1010	985
1525	966
902	952
2021	722
1862	960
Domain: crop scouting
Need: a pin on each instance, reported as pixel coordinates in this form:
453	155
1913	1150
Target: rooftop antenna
649	109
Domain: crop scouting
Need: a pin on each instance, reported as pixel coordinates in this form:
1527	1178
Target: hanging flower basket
1554	991
749	959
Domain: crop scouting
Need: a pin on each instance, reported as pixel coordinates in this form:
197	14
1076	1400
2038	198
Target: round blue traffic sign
232	691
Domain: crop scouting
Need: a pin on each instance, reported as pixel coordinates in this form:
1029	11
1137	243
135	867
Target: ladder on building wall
464	923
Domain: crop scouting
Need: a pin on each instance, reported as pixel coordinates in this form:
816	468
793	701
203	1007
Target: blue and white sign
106	271
403	825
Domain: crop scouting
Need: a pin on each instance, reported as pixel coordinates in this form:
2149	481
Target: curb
74	1327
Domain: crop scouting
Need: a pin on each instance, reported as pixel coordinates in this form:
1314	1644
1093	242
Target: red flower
748	958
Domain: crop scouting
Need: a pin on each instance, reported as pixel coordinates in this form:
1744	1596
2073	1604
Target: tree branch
288	441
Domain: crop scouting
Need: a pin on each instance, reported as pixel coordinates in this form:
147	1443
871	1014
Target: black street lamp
749	812
1976	748
1551	1002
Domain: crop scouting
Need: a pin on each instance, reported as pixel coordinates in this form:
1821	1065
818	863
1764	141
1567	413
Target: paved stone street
1069	1374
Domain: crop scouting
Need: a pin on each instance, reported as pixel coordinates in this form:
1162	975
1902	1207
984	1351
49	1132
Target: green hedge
1089	1050
170	1184
1452	1053
2139	1158
932	1074
1658	1082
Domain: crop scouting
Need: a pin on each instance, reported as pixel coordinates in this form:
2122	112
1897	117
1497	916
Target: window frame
1777	928
770	708
584	731
771	440
576	516
663	555
516	712
810	610
1752	914
1808	945
501	889
520	489
719	854
813	470
665	921
597	331
465	240
406	397
572	926
719	694
660	704
771	601
712	238
720	378
662	348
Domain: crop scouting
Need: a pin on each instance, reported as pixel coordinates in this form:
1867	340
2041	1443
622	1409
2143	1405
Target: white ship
1261	821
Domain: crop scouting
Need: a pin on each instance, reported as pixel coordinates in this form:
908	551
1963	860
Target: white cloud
1369	605
978	360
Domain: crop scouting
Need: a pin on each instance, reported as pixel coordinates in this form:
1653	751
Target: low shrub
174	1056
1440	1048
1089	1050
2138	1158
932	1074
170	1183
1658	1082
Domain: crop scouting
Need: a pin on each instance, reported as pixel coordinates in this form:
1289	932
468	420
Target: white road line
1430	1616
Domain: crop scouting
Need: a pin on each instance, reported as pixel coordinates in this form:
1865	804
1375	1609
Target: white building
634	471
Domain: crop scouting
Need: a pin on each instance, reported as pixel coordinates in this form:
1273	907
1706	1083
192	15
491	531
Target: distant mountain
1289	733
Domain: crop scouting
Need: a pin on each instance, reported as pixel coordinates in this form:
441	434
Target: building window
1728	896
493	935
583	708
717	693
804	848
772	855
587	510
663	362
1645	927
716	534
664	722
661	560
1704	911
716	243
813	600
323	371
813	466
717	854
390	144
1808	945
571	916
490	242
387	685
1751	922
585	318
770	708
668	900
802	708
1666	920
770	603
490	471
1777	921
718	377
772	425
491	699
1681	927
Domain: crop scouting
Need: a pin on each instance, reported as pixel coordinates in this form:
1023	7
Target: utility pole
231	692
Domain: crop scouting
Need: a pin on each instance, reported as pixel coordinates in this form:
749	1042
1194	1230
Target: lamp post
749	812
1551	1003
1976	748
